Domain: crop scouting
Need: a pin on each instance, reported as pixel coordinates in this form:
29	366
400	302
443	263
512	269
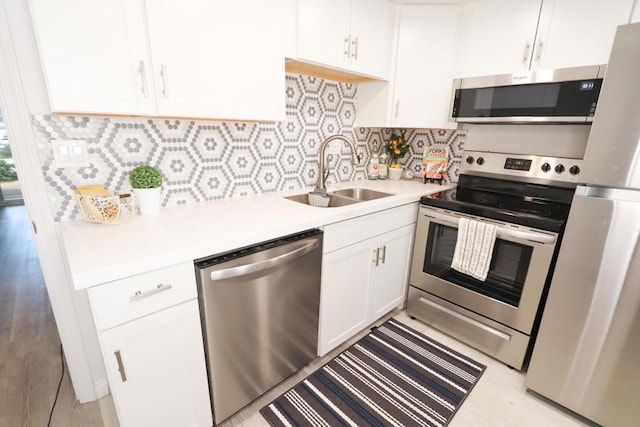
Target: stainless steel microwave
564	95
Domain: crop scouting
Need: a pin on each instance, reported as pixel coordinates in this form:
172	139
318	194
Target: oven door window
507	272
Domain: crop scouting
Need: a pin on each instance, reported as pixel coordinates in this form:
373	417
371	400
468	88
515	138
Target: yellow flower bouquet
397	148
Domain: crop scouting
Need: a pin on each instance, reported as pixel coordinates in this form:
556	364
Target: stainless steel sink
334	201
362	194
344	197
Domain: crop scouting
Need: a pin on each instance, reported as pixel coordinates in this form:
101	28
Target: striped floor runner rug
394	376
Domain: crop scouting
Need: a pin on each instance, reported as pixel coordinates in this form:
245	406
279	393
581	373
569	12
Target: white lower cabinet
390	274
344	298
365	271
155	362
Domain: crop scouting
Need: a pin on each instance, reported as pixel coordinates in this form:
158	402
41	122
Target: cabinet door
94	55
577	32
496	36
346	274
391	275
323	32
371	37
161	379
215	60
424	69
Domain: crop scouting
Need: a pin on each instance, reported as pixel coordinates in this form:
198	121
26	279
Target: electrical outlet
70	153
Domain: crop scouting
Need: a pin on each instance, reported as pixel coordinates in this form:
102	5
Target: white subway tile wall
204	160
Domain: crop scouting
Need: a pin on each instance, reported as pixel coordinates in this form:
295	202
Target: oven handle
464	318
501	231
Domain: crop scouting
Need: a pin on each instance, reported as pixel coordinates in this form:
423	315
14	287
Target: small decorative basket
318	199
107	210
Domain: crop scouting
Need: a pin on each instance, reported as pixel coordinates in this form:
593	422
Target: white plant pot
395	173
149	200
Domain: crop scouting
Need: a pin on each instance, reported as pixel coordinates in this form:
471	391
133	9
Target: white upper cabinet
194	58
505	36
214	59
371	37
323	31
349	35
418	95
424	68
496	36
94	56
577	32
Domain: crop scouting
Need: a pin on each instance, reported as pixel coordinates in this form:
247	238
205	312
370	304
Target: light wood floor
30	364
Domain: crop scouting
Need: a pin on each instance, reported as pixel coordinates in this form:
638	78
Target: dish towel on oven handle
474	247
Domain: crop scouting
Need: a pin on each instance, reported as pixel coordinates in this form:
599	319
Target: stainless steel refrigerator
587	354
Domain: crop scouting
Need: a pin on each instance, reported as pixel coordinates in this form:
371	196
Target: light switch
64	153
78	153
70	153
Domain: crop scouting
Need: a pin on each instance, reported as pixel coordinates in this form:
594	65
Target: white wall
635	15
23	93
544	140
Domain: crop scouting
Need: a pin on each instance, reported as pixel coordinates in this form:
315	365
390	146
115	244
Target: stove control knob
470	160
560	168
546	167
480	161
574	170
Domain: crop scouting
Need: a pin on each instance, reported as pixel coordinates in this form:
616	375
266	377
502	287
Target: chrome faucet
322	173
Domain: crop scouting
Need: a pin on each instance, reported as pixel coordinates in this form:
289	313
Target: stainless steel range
527	199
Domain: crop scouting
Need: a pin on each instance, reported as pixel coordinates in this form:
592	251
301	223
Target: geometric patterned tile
205	160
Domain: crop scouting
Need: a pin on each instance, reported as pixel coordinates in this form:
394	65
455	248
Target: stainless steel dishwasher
259	308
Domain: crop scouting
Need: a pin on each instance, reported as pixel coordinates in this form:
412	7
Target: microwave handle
501	231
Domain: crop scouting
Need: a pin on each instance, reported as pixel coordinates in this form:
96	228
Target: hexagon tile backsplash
203	160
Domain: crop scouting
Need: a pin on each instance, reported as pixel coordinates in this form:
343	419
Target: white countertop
98	253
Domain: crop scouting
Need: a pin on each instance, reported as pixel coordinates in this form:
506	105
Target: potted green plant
146	182
397	147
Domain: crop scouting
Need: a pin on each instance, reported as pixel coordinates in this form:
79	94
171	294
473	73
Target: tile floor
499	399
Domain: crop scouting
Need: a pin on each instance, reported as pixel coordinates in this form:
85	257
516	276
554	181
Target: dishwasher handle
244	270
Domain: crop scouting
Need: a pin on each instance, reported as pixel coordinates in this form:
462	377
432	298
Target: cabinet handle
140	294
165	86
384	253
397	108
355	49
376	255
143	78
525	55
123	375
347	45
539	51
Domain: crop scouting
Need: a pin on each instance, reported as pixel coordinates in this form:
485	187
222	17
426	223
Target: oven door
517	275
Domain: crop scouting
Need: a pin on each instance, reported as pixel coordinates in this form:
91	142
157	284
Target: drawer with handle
123	300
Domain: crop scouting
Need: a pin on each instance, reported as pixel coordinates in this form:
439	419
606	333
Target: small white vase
395	173
149	200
